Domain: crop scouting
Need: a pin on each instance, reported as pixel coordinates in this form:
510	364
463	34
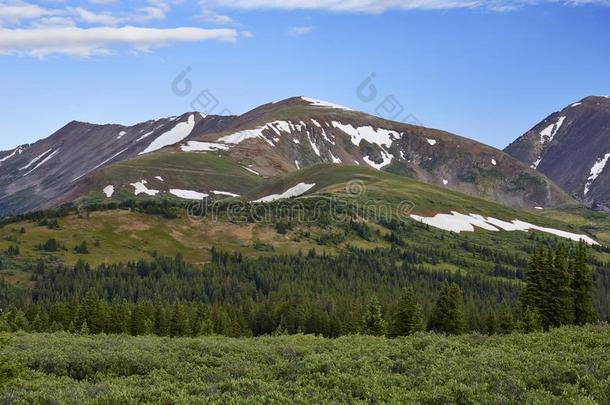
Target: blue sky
485	70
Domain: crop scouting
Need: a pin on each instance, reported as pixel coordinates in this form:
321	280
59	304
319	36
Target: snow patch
187	194
140	188
195	146
45	160
295	191
109	191
36	159
276	126
368	133
596	170
173	136
121	134
493	162
251	171
298	166
536	163
431	141
387	159
313	145
325	104
576	104
456	222
225	193
548	133
15	152
159	178
445	182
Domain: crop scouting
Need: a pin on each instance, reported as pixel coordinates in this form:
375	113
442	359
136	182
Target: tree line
304	293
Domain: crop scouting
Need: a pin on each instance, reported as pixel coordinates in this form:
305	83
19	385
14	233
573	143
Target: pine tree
531	321
179	323
408	318
448	315
548	308
533	294
373	323
582	286
491	324
506	322
563	289
84	329
20	322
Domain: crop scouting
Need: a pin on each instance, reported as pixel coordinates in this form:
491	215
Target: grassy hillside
568	365
119	235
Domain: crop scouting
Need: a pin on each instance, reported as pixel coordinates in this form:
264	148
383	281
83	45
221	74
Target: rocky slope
192	156
572	147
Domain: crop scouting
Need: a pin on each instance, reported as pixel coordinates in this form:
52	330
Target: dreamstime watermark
204	102
389	107
345	207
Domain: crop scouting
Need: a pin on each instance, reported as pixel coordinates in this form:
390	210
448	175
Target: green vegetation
567	365
558	289
76	281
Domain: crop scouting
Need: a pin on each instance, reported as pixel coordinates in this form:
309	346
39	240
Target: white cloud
94	18
41	42
16	12
215	18
296	31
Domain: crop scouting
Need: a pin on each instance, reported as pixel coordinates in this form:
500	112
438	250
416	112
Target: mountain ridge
270	140
570	147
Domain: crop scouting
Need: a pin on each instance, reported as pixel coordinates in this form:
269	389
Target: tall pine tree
408	318
582	286
373	322
448	315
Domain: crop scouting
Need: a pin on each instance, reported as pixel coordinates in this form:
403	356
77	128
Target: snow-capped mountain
193	155
572	147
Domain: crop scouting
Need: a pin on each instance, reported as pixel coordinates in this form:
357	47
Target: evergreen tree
582	286
448	315
531	321
506	322
562	292
84	329
532	299
179	322
20	322
373	323
491	324
408	318
548	307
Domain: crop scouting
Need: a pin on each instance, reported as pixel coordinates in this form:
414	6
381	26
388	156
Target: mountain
572	147
195	155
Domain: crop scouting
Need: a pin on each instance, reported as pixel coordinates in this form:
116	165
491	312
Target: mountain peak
572	147
310	102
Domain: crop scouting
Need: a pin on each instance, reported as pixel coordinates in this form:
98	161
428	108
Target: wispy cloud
84	42
15	12
380	6
213	17
297	31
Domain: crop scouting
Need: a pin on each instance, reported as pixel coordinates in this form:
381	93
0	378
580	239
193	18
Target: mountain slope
196	153
572	148
317	215
44	174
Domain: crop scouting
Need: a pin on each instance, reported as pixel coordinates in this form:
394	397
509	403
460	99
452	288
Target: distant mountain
572	147
194	155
